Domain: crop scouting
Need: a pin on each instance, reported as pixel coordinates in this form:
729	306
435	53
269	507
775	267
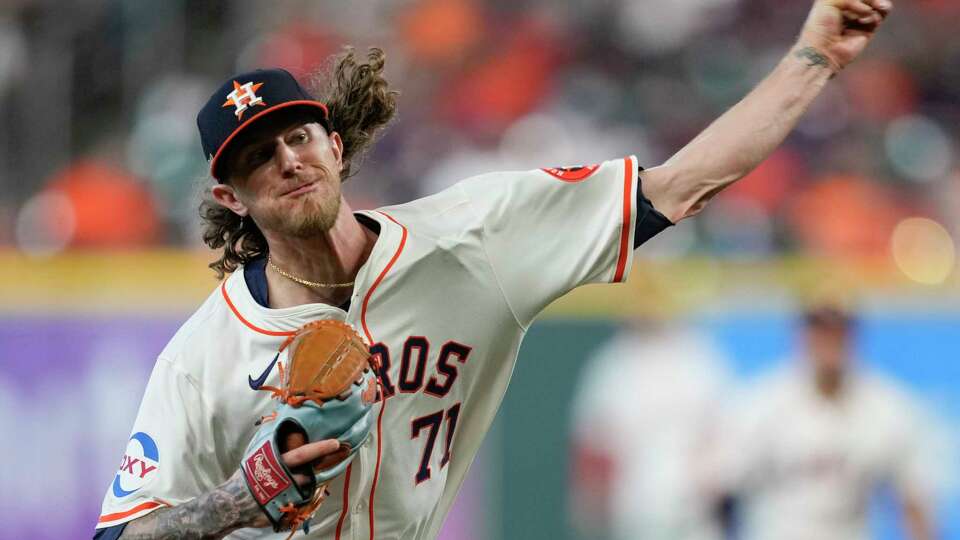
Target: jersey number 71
433	421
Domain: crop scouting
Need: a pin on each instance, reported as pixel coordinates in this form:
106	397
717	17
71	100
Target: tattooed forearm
813	57
210	516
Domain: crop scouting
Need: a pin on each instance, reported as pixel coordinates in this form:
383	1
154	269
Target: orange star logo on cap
243	97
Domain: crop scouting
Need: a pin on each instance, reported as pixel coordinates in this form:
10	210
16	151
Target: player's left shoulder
442	222
882	387
506	182
425	208
885	397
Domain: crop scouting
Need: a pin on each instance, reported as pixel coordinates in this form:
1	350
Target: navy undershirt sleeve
109	533
255	274
650	222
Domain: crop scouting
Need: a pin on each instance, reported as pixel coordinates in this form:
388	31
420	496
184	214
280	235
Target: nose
288	161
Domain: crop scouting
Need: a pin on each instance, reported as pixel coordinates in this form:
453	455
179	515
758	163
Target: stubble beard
316	215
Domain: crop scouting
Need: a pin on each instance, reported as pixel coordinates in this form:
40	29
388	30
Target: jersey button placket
358	527
359	519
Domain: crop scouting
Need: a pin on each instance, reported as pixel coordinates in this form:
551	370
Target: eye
299	136
259	155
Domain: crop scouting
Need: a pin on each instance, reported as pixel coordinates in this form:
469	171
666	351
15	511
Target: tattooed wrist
815	58
210	516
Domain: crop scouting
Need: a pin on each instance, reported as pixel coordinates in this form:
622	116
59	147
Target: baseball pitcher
255	423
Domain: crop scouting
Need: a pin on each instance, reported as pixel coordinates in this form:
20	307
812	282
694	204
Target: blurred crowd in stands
98	145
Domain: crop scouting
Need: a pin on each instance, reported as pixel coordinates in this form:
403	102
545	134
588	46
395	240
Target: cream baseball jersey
808	465
445	298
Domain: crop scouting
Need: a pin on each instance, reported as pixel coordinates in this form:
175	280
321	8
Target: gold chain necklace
302	281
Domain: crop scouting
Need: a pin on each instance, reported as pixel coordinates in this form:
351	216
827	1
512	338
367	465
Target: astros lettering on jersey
452	284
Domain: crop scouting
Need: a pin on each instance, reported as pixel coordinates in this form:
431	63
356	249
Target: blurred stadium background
100	258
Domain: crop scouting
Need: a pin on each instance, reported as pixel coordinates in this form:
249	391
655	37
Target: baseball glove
326	392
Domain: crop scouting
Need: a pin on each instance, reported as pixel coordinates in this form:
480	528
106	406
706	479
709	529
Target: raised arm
835	33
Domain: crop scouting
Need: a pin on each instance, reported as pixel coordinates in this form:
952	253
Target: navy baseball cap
242	100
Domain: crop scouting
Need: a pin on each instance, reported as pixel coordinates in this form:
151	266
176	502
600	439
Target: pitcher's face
286	174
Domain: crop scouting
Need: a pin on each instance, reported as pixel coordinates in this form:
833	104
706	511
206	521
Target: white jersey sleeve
548	231
170	442
913	465
911	470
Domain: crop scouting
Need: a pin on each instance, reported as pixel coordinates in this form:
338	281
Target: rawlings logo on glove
326	392
264	475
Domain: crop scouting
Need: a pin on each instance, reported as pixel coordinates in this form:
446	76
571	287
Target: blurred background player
814	441
645	417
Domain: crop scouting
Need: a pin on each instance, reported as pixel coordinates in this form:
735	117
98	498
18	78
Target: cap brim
285	105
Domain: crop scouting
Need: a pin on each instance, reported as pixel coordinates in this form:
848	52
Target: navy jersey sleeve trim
650	222
110	533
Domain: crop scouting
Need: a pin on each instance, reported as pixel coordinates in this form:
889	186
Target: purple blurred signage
70	388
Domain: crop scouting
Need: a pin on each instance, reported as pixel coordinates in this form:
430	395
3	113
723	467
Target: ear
336	146
226	195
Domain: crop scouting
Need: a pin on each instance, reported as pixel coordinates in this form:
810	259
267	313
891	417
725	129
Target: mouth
300	190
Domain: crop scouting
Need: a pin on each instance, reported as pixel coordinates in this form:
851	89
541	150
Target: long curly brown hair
360	103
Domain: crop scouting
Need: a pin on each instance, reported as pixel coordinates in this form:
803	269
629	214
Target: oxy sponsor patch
140	464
